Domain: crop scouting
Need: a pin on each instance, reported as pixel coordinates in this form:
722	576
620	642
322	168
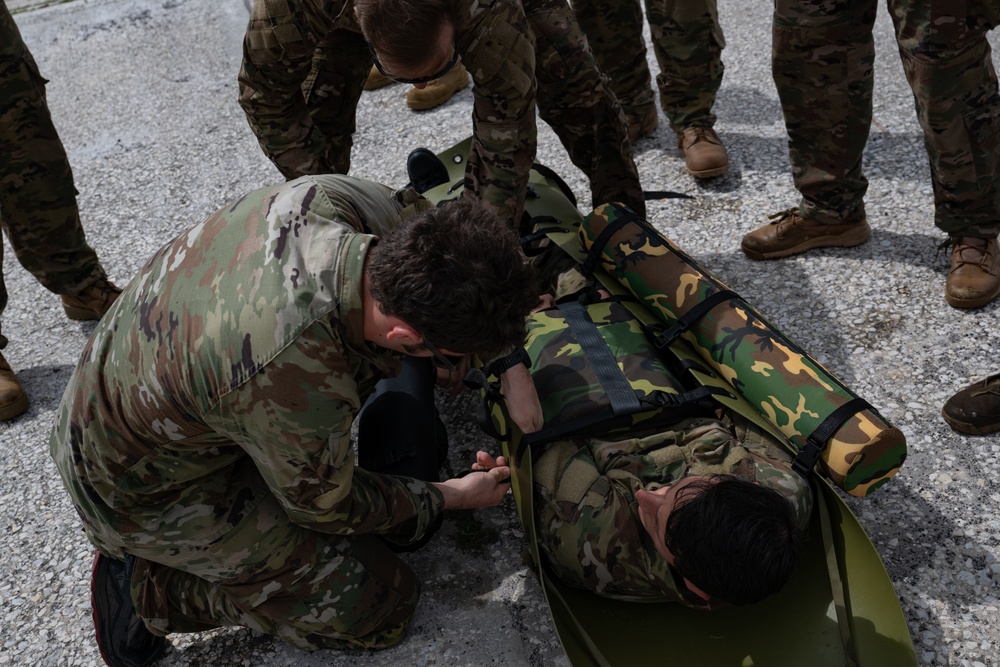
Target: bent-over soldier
305	63
204	436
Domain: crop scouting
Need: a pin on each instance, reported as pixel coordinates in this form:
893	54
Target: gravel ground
144	96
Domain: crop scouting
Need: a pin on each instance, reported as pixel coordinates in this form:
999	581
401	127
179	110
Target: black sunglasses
447	361
419	79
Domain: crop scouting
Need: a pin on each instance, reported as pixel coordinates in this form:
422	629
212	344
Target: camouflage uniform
588	520
38	208
823	55
687	41
206	429
305	62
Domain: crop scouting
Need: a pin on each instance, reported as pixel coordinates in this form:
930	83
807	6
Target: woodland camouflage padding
574	401
786	386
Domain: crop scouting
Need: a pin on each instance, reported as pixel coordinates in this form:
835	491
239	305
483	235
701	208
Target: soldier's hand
484	461
544	301
485	487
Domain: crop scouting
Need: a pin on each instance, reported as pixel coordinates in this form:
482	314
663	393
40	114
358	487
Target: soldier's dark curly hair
404	31
456	273
734	539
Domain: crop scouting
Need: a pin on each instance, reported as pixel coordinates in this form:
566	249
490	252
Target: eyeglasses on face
419	79
447	361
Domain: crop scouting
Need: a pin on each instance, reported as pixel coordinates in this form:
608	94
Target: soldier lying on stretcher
706	511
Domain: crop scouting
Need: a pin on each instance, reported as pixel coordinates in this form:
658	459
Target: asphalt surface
144	96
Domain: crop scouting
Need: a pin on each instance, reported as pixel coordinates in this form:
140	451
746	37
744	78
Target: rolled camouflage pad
858	449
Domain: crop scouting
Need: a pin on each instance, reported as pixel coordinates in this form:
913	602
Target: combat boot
976	409
377	80
92	302
13	400
641	125
974	278
438	91
122	637
789	233
704	154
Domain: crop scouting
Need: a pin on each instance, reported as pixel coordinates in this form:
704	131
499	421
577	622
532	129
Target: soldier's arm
522	399
270	82
586	527
499	54
294	418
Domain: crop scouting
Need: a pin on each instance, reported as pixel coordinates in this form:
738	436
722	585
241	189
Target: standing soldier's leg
13	400
340	67
949	65
688	43
822	59
575	100
614	32
38	210
37	196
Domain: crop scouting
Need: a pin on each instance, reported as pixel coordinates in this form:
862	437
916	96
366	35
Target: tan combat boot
377	80
974	279
438	91
92	302
704	154
789	233
641	125
13	400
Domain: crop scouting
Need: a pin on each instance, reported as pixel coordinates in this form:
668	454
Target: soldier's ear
697	591
402	332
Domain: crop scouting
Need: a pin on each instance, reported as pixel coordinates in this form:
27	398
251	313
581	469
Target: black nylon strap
594	254
620	393
504	364
529	242
652	195
807	457
689	319
685	365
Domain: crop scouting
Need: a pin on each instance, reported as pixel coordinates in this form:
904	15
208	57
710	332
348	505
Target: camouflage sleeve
588	530
500	55
370	207
277	57
294	418
772	465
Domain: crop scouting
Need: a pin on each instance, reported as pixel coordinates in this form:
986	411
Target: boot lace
966	250
781	216
990	385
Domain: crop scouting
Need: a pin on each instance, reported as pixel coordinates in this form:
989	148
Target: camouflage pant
38	208
687	42
823	56
575	100
311	589
519	55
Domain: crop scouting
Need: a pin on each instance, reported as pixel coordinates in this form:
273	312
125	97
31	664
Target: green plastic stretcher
839	609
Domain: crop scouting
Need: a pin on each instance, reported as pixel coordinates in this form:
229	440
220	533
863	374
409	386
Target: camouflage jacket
497	48
231	368
588	521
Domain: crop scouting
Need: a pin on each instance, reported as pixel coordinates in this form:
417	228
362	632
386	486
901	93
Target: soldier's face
655	508
420	74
